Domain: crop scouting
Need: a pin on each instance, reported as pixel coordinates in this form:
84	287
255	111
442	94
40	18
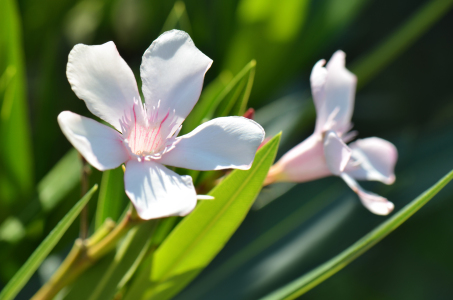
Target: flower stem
83	255
84	189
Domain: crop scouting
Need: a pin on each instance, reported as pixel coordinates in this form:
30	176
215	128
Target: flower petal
99	76
337	153
373	159
158	192
317	80
222	143
172	72
99	144
339	92
373	202
304	162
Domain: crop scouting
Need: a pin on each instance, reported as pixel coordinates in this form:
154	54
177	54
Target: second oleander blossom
145	136
326	153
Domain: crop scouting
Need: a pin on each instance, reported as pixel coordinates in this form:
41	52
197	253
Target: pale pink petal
99	144
317	80
337	153
372	159
339	90
99	76
158	192
304	162
172	72
222	143
373	202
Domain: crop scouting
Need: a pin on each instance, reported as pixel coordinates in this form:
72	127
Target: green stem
83	255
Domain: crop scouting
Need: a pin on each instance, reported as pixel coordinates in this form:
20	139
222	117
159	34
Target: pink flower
144	136
325	152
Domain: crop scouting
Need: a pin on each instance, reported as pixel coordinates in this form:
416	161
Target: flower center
146	139
148	135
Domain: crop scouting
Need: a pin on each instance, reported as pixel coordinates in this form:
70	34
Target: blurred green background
405	96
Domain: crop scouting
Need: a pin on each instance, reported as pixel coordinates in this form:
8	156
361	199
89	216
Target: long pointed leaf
111	202
201	235
367	67
21	277
308	281
15	138
62	179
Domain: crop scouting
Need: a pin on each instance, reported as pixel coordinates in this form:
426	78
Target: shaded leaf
308	281
26	271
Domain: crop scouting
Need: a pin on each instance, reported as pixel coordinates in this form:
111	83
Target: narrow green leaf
308	281
62	179
129	255
207	102
112	201
263	241
15	136
26	271
234	98
178	19
202	234
84	285
226	95
367	67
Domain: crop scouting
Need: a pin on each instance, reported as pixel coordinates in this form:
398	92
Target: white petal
158	192
99	144
373	159
99	76
337	153
304	162
339	92
172	72
373	202
317	80
205	197
222	143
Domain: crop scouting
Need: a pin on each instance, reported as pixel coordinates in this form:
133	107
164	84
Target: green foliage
201	235
400	40
114	272
112	199
61	180
16	163
308	281
285	38
225	96
20	279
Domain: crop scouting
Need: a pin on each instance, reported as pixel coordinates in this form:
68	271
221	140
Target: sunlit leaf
233	100
201	235
26	271
207	102
15	136
226	95
263	241
127	258
111	202
308	281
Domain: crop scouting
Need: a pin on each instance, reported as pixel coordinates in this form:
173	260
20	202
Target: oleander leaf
198	238
308	281
26	271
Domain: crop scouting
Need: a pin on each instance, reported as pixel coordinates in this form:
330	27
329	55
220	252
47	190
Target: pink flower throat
149	136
